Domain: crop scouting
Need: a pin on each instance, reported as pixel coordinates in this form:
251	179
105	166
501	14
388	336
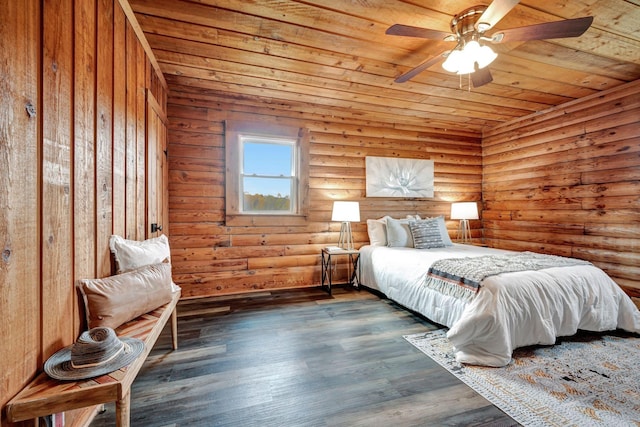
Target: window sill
265	220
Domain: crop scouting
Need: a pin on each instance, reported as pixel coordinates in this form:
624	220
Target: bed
509	310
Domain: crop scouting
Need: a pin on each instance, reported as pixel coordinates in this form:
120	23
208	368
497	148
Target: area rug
587	380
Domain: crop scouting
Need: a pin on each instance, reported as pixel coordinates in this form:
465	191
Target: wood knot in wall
31	109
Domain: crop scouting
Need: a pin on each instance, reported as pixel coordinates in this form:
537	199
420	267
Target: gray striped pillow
426	234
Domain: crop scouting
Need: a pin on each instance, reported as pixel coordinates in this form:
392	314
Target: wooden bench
45	395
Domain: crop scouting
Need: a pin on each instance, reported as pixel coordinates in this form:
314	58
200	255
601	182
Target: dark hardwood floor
299	358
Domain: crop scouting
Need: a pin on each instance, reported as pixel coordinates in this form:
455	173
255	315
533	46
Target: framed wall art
396	177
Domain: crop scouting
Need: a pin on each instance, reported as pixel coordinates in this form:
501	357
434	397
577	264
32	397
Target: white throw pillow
133	254
377	230
443	231
398	233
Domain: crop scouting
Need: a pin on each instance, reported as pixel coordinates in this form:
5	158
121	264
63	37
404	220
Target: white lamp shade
485	56
464	210
452	63
346	211
466	66
471	49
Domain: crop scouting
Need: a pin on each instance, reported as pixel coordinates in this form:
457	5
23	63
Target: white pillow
443	231
377	230
398	233
133	254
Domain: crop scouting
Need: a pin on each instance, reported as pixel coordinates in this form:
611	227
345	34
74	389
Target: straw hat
98	351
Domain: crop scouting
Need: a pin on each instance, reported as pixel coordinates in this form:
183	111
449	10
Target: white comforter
511	310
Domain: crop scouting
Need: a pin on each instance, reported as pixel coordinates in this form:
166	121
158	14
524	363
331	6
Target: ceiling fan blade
481	77
420	68
549	30
409	31
495	12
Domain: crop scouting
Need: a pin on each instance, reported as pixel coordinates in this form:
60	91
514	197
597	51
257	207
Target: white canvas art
394	177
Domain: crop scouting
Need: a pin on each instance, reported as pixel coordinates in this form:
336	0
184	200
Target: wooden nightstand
353	266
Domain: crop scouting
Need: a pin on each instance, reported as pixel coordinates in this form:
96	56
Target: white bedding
511	310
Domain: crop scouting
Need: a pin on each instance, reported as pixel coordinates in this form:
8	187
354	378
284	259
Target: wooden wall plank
119	123
57	297
141	148
104	136
20	240
84	147
131	147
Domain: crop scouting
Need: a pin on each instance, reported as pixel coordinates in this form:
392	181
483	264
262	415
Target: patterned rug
586	380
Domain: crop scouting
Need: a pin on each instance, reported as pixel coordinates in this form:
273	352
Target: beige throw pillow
115	300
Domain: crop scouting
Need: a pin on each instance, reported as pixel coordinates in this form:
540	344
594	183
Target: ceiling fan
472	54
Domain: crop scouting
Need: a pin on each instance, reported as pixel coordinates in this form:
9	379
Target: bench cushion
114	300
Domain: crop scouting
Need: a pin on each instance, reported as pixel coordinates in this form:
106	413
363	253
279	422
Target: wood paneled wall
211	258
74	76
567	181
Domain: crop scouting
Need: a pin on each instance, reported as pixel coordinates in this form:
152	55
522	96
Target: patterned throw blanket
461	277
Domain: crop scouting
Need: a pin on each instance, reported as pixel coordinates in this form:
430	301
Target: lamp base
464	231
346	239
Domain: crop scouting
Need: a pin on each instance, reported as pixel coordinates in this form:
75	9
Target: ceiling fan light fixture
485	56
463	61
471	49
466	67
453	61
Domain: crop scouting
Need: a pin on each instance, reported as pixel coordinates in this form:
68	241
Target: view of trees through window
266	202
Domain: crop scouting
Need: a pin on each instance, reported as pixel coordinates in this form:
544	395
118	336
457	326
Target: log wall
73	76
212	258
567	181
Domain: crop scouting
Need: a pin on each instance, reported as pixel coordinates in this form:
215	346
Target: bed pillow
426	234
444	233
442	226
377	230
398	233
114	300
132	254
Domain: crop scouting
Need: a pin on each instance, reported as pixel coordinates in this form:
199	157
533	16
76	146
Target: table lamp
464	211
346	212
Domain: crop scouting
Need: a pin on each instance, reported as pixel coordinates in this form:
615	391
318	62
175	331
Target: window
266	173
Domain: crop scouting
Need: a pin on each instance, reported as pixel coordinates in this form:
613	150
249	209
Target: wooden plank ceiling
333	55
